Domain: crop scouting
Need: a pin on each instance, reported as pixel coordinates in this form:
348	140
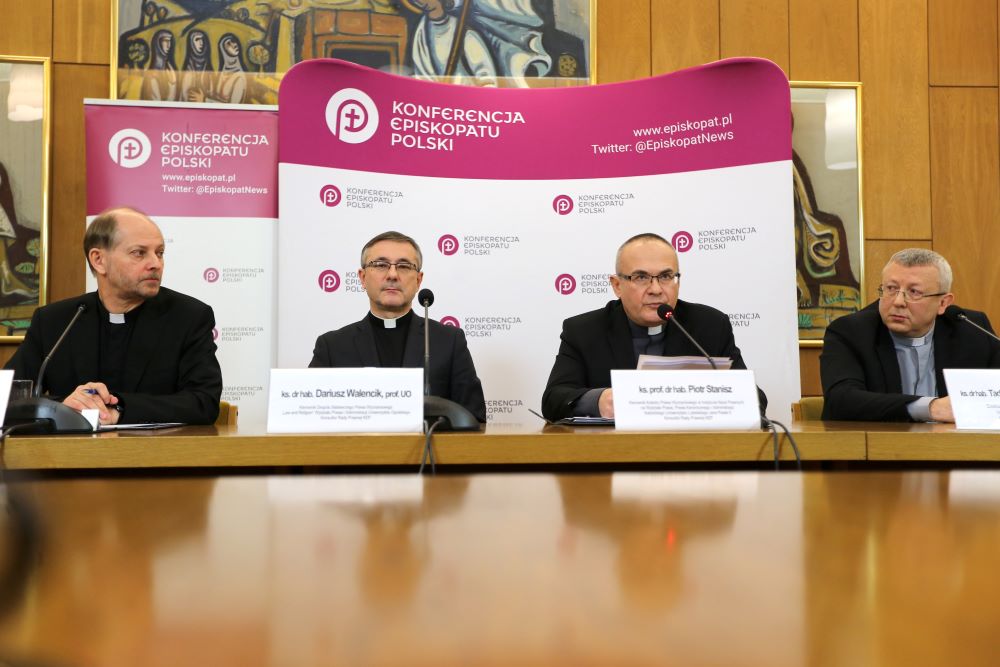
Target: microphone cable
771	424
428	454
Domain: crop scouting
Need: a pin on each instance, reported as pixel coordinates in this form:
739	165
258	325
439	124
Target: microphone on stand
43	415
666	313
449	414
956	314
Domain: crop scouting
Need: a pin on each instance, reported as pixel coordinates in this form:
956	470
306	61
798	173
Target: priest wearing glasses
392	336
592	344
885	362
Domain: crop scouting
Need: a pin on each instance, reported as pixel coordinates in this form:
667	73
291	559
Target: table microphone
43	415
956	314
666	313
451	415
426	299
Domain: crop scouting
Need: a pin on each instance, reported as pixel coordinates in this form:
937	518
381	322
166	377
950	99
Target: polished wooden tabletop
234	446
626	569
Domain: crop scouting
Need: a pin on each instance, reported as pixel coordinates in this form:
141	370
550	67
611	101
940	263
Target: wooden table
644	569
229	446
931	442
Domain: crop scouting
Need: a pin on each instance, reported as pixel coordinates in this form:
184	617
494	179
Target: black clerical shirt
391	343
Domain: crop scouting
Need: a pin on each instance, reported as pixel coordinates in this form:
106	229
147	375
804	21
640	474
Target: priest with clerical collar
391	336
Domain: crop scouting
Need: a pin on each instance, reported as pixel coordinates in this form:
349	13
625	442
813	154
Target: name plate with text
975	396
346	400
685	400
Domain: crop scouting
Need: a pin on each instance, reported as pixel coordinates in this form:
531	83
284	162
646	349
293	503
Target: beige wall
931	119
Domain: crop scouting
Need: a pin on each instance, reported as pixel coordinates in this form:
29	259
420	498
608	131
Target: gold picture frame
828	204
236	51
25	145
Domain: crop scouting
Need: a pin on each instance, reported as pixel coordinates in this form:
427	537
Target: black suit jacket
453	374
860	373
171	373
594	343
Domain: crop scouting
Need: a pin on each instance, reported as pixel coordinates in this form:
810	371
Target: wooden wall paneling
26	27
962	42
81	31
809	371
622	40
823	40
877	253
684	33
754	28
896	151
965	191
71	83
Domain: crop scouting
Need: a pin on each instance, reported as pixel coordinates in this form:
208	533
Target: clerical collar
391	322
639	331
118	318
906	341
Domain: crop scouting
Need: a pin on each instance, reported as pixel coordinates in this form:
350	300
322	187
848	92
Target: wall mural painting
24	137
236	51
826	184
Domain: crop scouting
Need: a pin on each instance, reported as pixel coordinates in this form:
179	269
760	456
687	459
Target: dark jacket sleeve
27	361
854	387
321	352
568	378
465	387
195	399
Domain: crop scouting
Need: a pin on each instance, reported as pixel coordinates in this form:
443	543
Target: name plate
685	400
975	396
346	400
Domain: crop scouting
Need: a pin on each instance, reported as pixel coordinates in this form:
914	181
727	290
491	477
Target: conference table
245	446
238	447
631	568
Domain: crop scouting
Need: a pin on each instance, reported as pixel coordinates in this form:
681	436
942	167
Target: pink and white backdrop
520	198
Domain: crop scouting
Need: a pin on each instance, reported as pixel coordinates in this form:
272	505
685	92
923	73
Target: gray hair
397	237
923	257
638	238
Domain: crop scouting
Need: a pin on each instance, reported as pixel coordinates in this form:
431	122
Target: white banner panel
207	176
520	199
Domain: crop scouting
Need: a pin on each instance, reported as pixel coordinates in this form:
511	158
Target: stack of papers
655	363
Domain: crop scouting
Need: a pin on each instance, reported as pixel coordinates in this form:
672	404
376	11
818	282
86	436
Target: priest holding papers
885	363
614	337
391	336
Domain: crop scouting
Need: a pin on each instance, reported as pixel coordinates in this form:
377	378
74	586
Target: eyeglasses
643	279
909	295
403	269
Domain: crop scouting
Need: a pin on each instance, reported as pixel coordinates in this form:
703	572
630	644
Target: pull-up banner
207	176
519	200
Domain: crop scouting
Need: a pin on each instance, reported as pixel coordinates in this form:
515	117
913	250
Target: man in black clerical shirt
391	336
138	352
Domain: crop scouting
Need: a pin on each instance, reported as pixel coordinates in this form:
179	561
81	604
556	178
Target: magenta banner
205	162
723	115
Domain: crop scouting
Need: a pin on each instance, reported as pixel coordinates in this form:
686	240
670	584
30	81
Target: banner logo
129	148
351	116
450	321
563	204
215	333
329	281
565	284
448	244
210	275
682	241
330	195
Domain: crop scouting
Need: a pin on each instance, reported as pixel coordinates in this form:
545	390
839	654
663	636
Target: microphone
443	413
956	314
666	313
426	299
81	309
37	415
